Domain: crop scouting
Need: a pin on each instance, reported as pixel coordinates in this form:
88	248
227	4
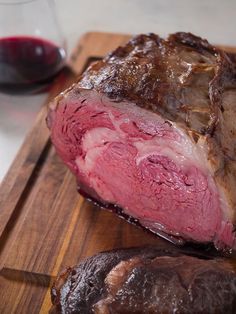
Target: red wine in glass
28	64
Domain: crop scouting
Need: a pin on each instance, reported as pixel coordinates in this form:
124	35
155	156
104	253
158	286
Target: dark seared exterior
164	76
146	280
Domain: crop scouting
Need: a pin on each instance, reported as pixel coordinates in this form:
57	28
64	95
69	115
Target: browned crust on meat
56	290
131	280
146	70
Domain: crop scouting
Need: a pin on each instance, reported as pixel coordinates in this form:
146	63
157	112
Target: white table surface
212	19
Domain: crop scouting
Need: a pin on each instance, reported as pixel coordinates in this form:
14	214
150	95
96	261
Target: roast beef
146	280
150	131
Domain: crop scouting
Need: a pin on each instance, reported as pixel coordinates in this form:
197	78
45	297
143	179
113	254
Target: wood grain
45	225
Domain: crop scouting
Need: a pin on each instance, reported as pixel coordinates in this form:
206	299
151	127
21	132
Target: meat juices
146	280
150	130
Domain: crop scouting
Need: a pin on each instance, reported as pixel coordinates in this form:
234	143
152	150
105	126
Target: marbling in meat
150	129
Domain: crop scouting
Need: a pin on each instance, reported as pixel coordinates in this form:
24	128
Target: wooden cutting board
45	225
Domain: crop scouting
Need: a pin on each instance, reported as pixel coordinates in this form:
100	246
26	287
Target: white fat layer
93	144
98	137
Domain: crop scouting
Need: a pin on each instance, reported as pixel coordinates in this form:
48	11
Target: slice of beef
151	130
146	280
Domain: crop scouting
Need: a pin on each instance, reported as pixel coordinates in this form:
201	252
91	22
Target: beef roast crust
146	280
162	76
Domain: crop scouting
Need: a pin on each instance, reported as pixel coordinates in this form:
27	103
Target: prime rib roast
150	131
146	280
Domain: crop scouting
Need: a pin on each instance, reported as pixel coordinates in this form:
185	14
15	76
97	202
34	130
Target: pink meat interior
144	164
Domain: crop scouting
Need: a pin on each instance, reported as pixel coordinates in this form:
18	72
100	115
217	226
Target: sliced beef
150	131
146	280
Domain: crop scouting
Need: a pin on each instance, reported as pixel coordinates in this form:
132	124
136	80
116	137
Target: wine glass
32	48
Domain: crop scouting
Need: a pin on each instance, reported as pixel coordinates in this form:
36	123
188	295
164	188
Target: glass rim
15	2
